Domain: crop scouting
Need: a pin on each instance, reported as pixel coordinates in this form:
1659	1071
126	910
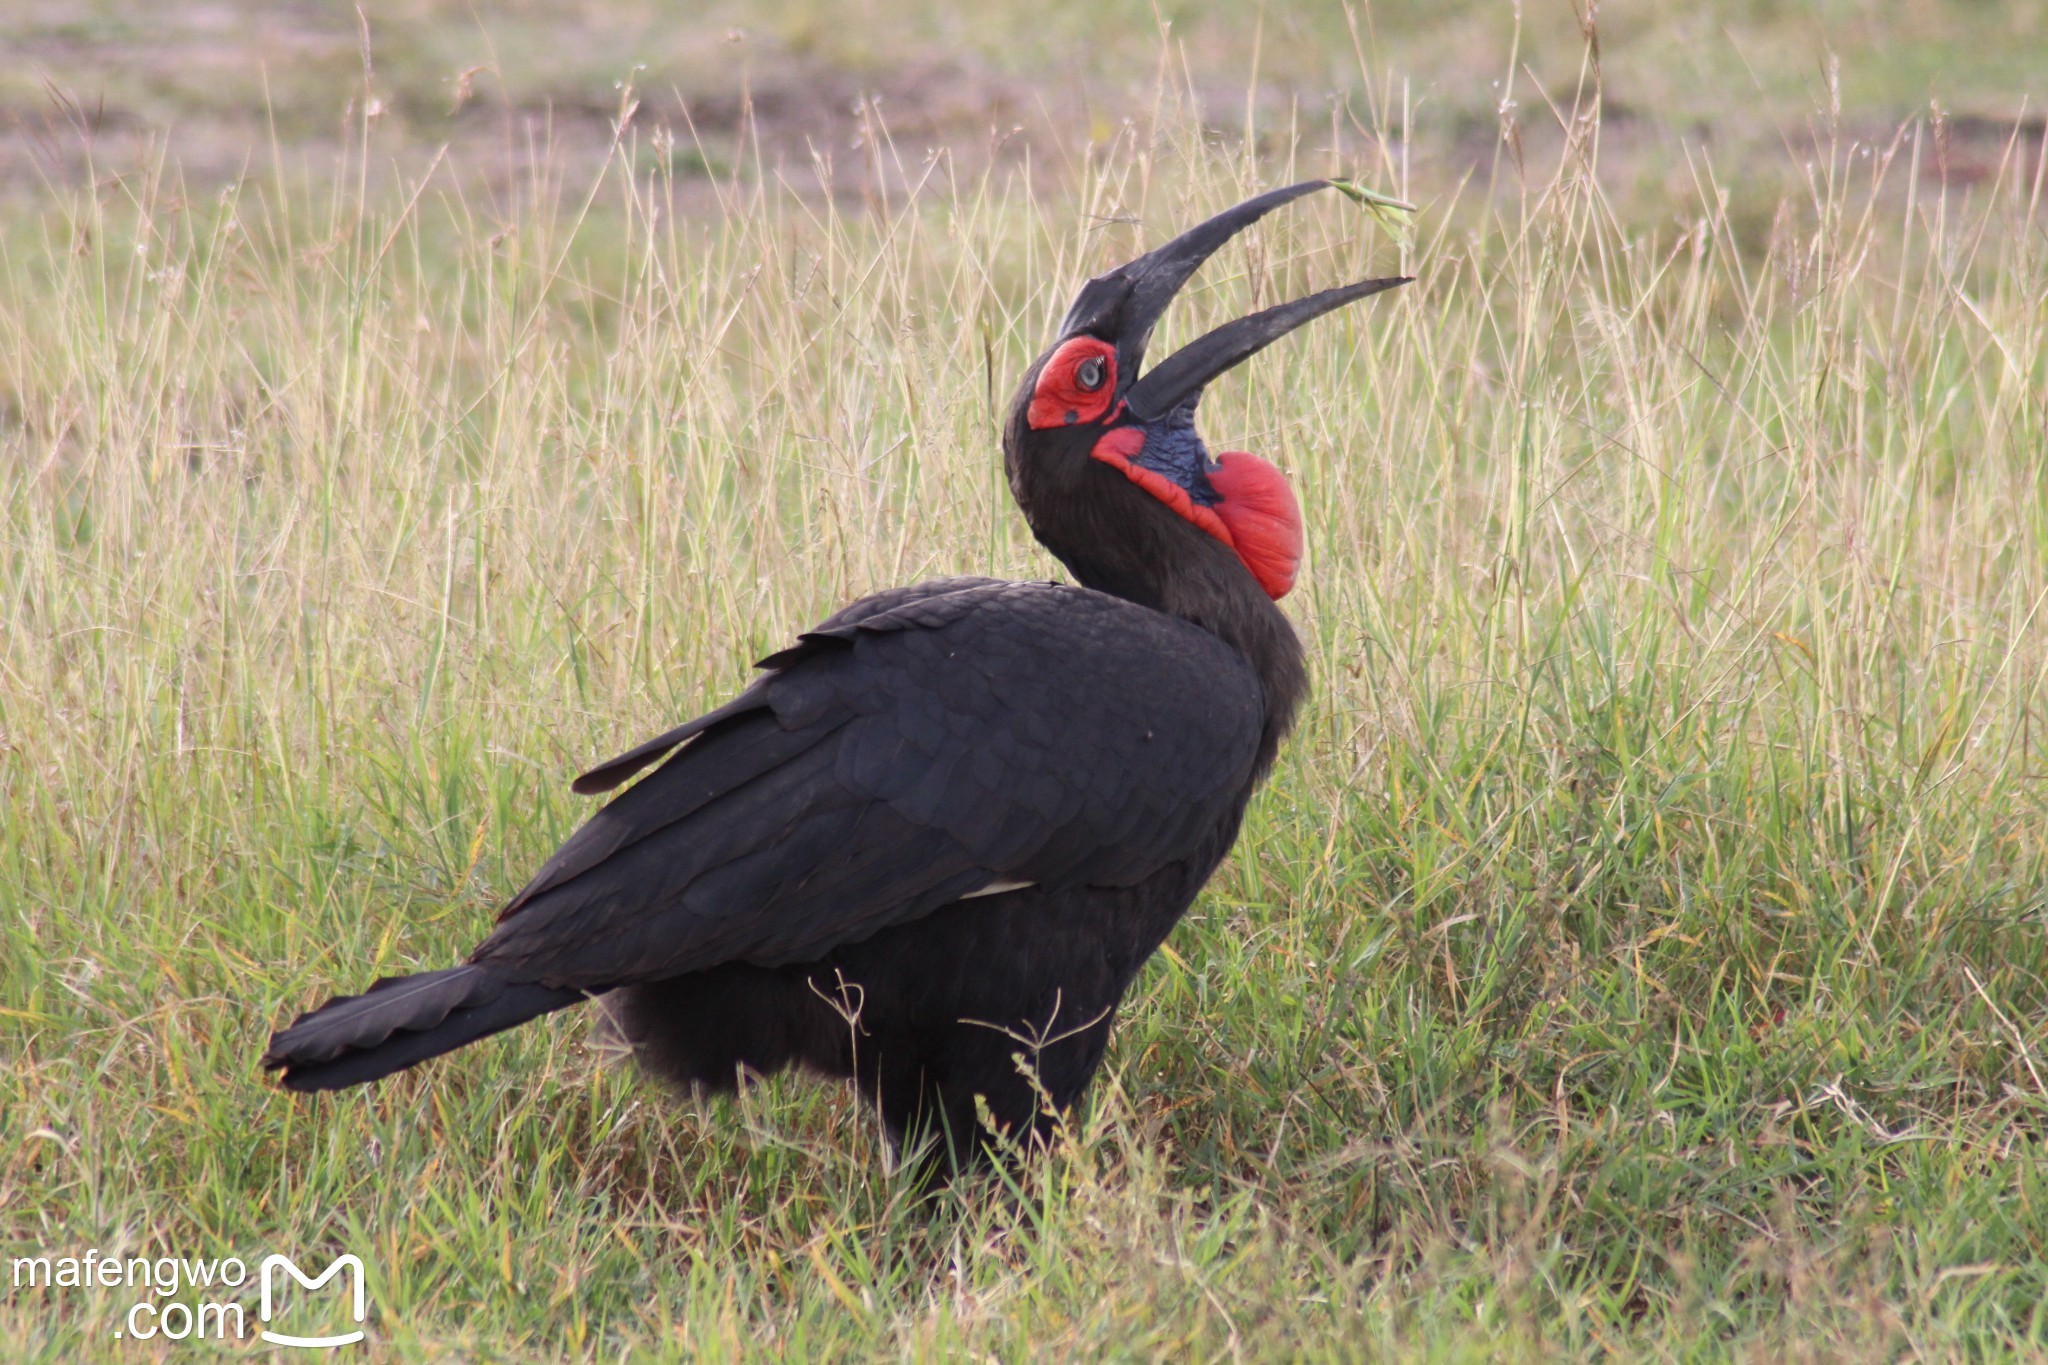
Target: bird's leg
986	1094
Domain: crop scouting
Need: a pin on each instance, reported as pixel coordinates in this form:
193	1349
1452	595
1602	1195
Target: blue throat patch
1173	448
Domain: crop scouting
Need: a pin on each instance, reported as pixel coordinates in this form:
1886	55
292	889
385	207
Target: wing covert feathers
916	747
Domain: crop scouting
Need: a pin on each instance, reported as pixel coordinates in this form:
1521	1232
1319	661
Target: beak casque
1122	306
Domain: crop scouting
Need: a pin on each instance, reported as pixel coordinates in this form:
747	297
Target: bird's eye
1091	373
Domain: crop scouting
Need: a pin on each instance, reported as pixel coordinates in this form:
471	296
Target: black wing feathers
722	759
837	629
912	749
842	625
613	771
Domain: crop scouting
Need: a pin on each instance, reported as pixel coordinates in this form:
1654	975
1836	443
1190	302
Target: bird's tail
403	1020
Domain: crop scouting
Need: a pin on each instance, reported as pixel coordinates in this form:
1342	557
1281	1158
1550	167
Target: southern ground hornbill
930	847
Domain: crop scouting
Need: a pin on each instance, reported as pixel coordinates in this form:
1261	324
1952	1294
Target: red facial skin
1258	517
1059	400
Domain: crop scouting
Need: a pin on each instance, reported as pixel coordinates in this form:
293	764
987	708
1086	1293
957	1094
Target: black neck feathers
1116	538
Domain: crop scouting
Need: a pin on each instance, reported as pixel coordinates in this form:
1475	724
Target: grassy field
1642	948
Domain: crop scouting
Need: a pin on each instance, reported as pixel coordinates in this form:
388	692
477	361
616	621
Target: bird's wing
910	751
839	625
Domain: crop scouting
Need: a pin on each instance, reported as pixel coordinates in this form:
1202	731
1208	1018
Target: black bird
931	846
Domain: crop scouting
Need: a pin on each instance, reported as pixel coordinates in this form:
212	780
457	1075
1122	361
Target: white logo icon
344	1262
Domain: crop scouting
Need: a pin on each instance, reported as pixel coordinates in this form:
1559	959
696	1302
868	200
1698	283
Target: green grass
1640	949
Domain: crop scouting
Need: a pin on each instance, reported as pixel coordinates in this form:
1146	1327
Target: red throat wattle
1263	517
1258	517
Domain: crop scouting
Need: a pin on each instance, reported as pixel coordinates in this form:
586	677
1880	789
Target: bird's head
1103	455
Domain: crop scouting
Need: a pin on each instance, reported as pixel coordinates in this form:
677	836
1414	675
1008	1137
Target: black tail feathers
403	1020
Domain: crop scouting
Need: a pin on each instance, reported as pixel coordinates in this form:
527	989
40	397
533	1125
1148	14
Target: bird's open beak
1121	306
